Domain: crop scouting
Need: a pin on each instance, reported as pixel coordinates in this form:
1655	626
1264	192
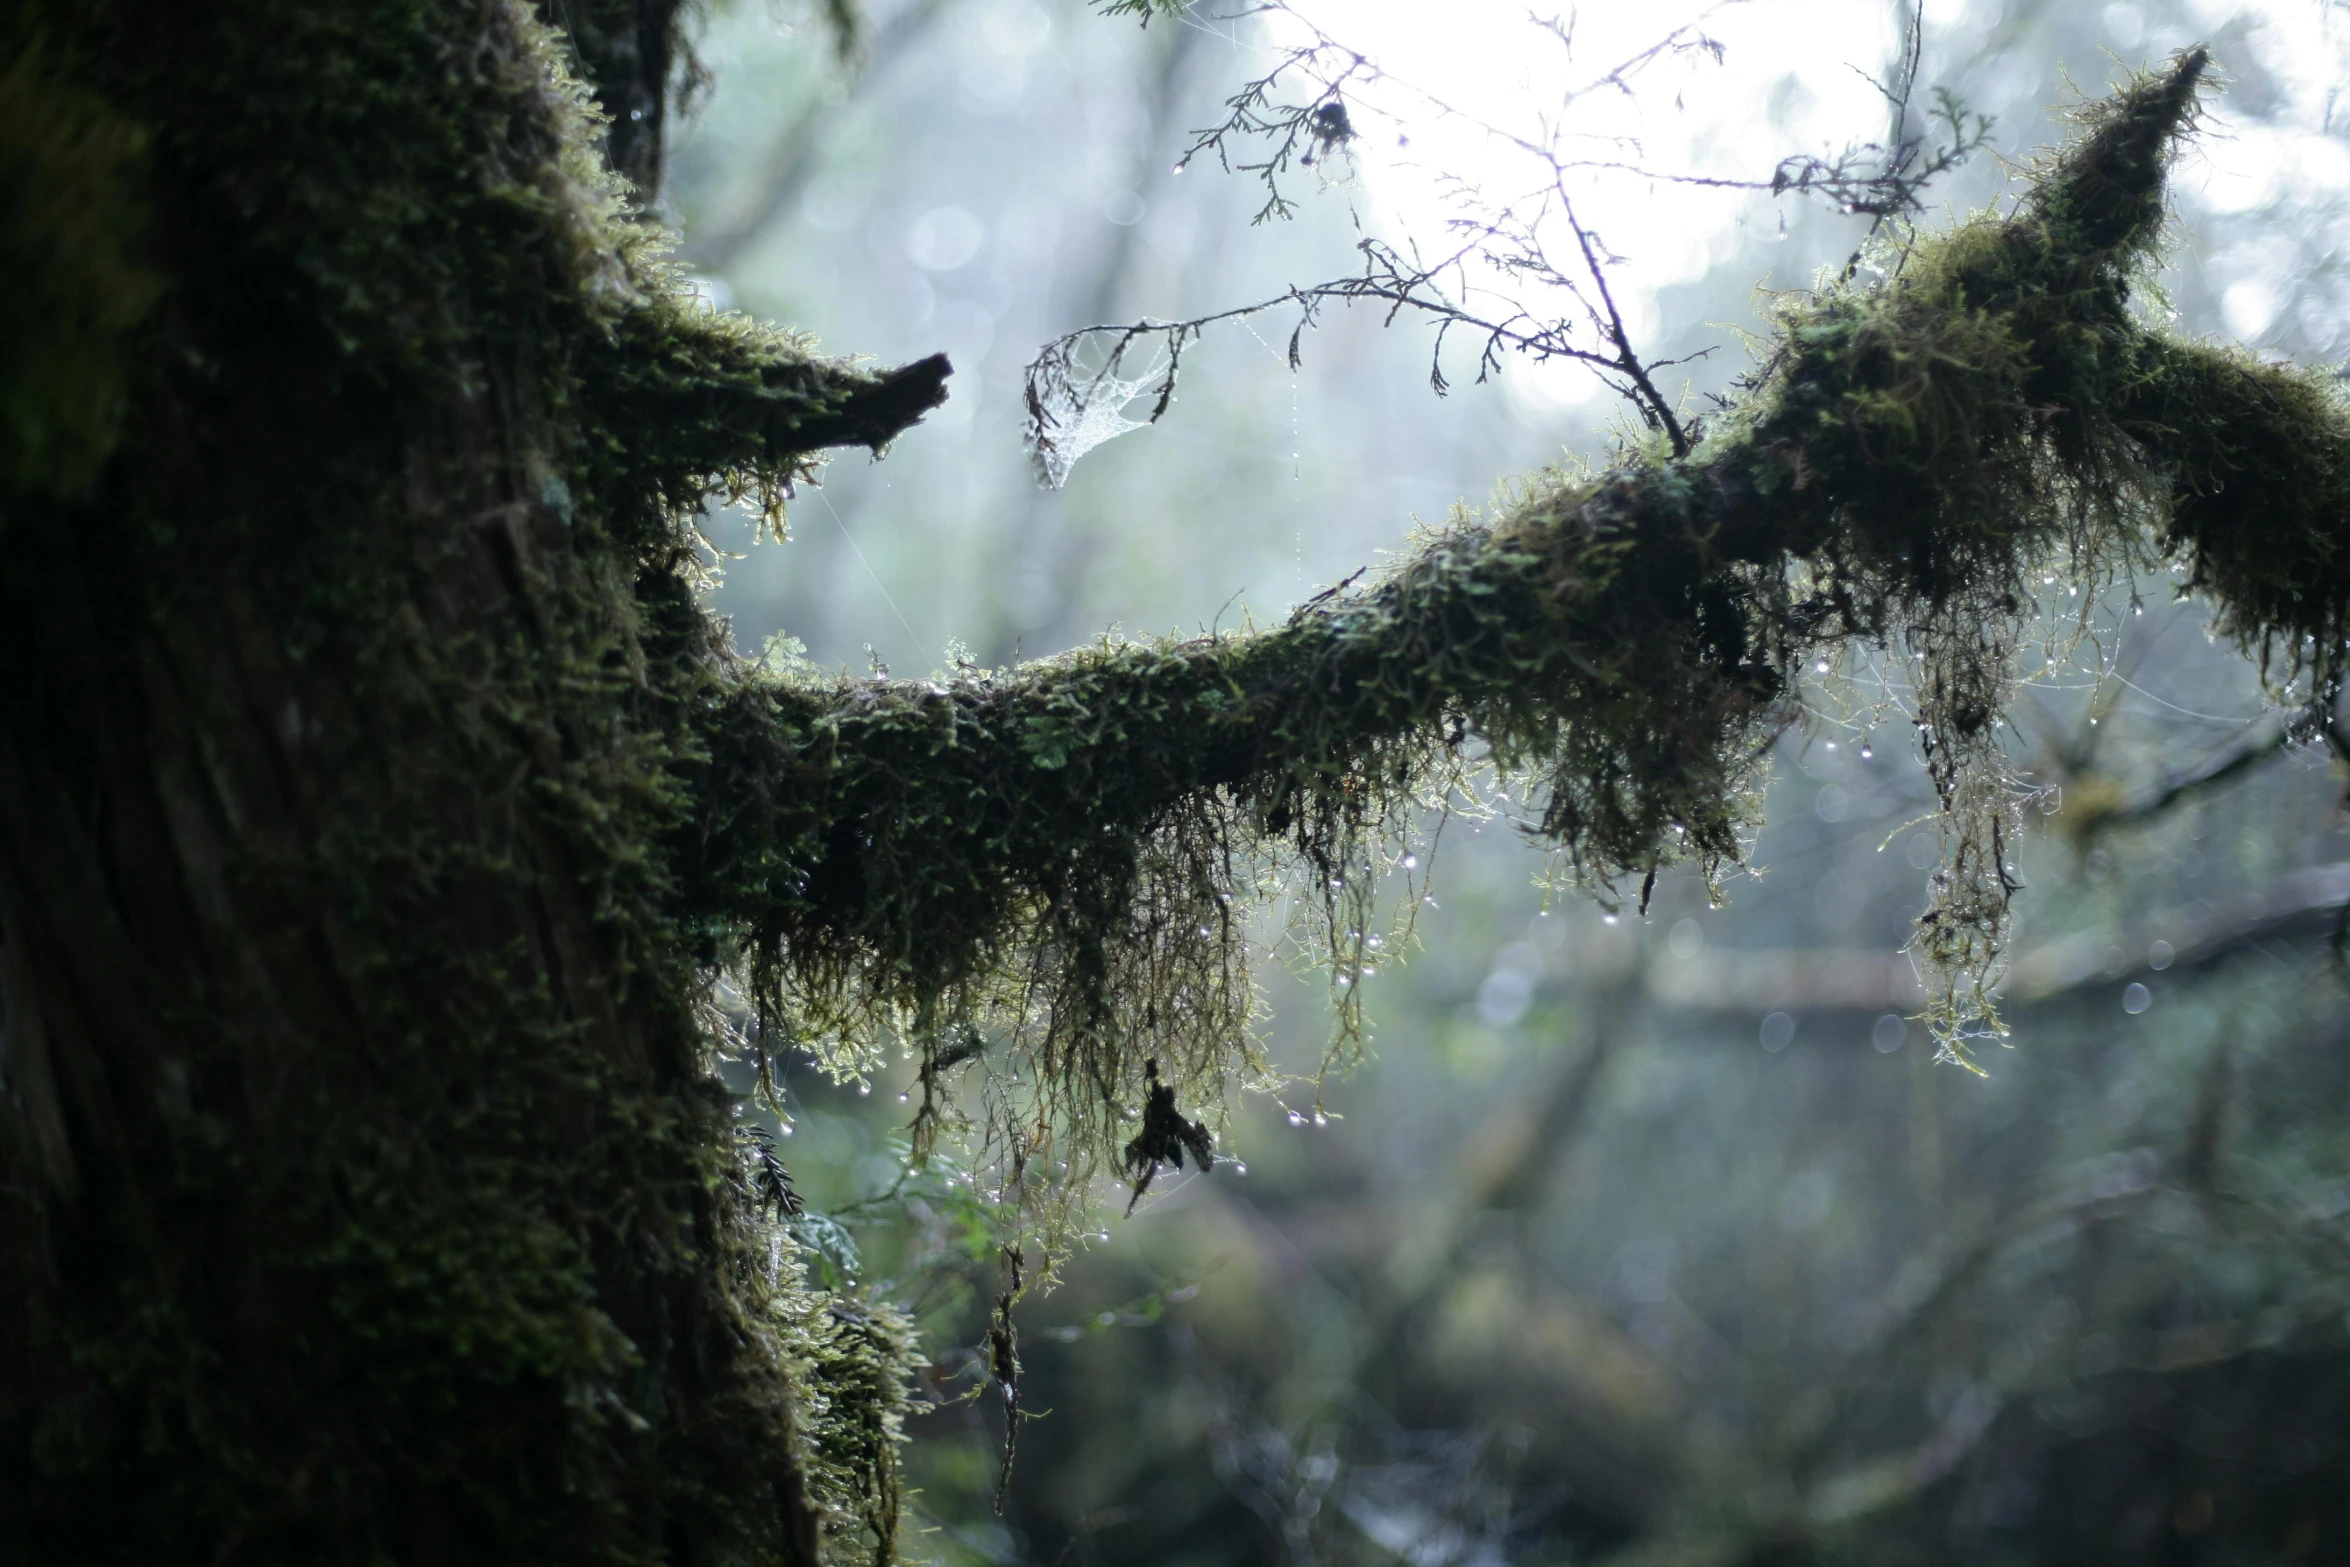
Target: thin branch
1077	374
2304	903
2262	741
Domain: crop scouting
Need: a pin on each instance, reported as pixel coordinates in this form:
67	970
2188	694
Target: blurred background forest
1655	1240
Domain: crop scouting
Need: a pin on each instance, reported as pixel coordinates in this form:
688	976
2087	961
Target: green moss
378	628
70	226
852	1361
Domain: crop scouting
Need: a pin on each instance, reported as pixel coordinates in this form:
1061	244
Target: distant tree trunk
365	1187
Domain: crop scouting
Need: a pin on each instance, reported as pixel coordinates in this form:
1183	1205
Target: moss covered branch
696	403
1049	856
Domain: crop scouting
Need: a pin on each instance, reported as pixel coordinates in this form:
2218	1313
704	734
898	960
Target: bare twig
1538	307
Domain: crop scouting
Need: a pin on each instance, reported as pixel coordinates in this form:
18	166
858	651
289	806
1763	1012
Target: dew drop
1607	919
864	1090
1180	167
786	1128
1831	745
902	1098
1320	1119
1867	750
1239	1169
1411	862
1295	1119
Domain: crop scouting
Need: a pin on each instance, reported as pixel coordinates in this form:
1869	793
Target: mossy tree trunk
366	1187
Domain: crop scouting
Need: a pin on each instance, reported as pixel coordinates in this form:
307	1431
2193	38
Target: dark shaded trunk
366	1186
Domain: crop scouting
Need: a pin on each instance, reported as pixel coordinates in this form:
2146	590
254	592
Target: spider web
1070	412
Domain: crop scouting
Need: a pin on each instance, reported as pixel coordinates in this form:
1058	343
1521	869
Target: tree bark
365	1191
